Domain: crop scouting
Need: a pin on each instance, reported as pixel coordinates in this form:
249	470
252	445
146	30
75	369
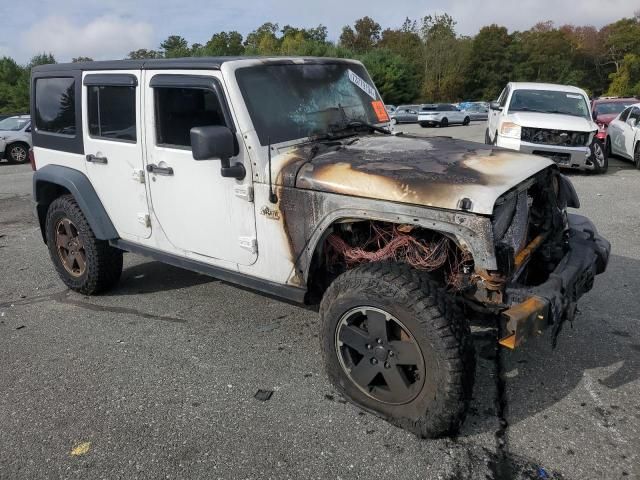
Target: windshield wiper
359	125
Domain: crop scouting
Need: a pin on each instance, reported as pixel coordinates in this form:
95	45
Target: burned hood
436	172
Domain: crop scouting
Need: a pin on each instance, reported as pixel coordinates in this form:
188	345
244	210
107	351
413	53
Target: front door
113	147
198	210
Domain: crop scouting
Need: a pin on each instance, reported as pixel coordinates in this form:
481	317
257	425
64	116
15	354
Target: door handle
94	159
151	168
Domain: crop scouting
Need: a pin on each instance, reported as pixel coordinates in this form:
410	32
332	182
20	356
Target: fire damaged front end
547	258
491	225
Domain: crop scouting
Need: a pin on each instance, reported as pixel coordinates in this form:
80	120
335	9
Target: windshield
287	102
549	101
611	107
13	123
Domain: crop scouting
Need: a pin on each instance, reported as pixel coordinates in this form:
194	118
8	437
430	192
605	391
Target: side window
111	112
635	113
55	105
625	114
178	110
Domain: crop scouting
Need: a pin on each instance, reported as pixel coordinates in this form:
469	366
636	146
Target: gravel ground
157	378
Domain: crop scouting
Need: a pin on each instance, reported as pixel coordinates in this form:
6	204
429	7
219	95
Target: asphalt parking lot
157	378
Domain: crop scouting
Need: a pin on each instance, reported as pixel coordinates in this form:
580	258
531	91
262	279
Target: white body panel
120	182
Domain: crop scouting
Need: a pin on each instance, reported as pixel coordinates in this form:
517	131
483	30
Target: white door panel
198	210
114	155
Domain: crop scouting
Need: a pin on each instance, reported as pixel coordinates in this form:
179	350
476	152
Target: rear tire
444	122
487	139
598	157
466	121
424	125
17	153
419	362
636	156
607	147
84	263
394	121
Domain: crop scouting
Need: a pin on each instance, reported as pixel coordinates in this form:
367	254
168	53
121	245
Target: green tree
363	37
626	81
263	40
489	68
175	46
445	59
41	59
81	59
396	77
225	43
143	53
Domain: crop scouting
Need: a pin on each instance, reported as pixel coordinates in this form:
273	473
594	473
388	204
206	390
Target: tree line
424	60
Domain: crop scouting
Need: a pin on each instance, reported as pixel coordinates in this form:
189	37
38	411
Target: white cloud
106	37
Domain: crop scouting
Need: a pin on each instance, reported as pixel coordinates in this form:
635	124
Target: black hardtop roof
203	63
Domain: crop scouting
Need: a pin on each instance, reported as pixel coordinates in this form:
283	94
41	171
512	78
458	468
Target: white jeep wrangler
278	174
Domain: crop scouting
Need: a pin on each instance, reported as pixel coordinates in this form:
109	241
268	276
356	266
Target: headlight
510	130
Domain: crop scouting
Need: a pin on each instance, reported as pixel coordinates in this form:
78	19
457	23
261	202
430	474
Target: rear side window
635	114
178	110
55	105
112	112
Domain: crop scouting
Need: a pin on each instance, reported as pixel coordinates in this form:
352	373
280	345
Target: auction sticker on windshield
364	86
381	112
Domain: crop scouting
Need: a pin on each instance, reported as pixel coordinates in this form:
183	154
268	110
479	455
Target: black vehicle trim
294	294
51	140
110	80
45	181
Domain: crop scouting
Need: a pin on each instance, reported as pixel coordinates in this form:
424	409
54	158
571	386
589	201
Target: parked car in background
605	109
549	120
623	135
15	138
476	111
390	108
441	115
405	114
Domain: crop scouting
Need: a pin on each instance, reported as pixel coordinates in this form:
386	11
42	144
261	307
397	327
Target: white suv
279	174
554	121
15	138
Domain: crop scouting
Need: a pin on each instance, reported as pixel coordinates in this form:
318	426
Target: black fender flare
51	181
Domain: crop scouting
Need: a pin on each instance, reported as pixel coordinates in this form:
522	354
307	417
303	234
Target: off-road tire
103	262
439	329
636	156
17	153
444	122
596	148
466	121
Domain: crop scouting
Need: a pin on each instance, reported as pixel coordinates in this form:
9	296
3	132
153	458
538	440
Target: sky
109	29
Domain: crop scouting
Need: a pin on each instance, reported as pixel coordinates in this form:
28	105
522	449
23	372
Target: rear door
113	146
631	133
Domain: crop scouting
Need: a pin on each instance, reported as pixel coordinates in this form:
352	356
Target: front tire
466	121
444	122
84	263
17	153
599	157
397	345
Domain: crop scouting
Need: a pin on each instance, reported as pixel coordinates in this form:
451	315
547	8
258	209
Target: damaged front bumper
535	308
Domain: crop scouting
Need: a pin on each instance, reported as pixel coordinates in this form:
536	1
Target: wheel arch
53	181
464	233
15	142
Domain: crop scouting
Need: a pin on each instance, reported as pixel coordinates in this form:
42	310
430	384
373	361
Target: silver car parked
405	114
441	115
15	138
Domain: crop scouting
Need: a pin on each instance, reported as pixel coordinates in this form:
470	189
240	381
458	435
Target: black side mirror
594	115
216	141
495	106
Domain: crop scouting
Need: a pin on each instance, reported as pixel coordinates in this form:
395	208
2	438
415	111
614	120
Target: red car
605	109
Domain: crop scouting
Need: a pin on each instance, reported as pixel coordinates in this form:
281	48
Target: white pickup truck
553	121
